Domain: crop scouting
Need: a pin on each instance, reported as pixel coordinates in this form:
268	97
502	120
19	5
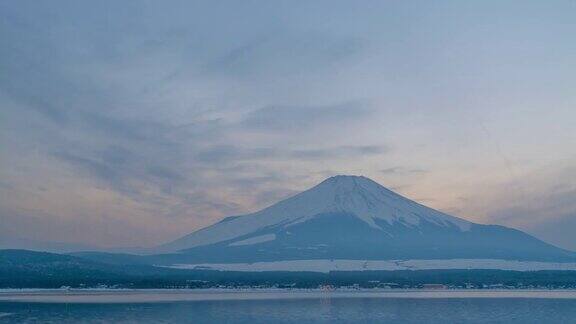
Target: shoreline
183	295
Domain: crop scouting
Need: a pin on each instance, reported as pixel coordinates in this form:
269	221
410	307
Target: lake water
289	307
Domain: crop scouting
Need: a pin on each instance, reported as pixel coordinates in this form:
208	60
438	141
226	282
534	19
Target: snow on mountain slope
383	265
355	195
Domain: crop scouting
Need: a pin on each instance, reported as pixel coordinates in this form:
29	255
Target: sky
131	123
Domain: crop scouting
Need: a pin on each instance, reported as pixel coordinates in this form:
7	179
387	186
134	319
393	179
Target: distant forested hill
30	269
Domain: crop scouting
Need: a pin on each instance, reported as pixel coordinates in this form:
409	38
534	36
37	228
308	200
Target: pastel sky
130	123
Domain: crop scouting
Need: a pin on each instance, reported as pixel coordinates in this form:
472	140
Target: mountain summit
353	217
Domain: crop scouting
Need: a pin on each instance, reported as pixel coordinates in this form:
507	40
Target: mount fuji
354	218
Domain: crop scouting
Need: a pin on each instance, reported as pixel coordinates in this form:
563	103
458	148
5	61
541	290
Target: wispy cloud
302	118
162	118
402	170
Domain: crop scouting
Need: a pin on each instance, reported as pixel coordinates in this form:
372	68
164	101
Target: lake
288	306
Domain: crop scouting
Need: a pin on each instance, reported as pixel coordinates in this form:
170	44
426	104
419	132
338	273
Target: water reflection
321	310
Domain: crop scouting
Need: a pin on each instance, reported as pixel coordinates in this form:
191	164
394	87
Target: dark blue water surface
341	310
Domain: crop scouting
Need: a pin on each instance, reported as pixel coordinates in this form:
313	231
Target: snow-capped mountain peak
352	195
369	200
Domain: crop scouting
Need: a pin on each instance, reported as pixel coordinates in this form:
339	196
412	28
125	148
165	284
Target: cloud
402	170
162	119
282	52
558	231
302	118
230	154
338	152
128	167
164	173
227	154
131	129
95	168
539	203
549	215
535	208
